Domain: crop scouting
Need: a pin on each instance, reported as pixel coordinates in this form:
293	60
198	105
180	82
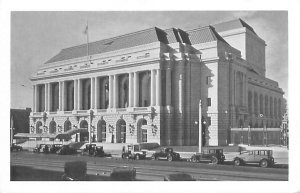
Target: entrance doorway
142	131
121	131
84	136
101	131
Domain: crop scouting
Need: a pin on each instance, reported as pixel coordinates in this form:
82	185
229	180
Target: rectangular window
208	122
208	102
208	80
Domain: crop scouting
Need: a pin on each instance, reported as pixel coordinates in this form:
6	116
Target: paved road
150	169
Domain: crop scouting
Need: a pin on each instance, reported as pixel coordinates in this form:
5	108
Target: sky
38	36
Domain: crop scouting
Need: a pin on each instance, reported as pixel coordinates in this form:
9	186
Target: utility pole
200	127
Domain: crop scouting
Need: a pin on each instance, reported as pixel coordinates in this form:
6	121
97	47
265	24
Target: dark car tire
153	157
170	158
214	160
237	162
263	163
194	159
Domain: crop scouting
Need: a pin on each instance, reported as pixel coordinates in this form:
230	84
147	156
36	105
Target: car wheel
153	157
194	159
263	163
137	157
214	160
237	162
170	158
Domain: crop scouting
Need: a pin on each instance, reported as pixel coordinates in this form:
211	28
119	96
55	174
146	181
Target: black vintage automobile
55	147
15	147
66	150
166	153
215	156
42	148
94	150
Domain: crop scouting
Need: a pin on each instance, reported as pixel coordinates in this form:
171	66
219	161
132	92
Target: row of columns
133	100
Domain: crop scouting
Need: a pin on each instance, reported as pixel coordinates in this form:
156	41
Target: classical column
136	89
116	93
75	94
130	100
79	94
158	87
37	102
152	87
46	96
110	91
168	85
63	95
92	105
96	93
34	99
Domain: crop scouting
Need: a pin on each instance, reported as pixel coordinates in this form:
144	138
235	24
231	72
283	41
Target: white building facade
146	86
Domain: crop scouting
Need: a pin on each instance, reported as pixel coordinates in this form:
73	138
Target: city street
100	168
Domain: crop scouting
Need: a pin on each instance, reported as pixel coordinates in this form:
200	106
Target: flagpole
87	40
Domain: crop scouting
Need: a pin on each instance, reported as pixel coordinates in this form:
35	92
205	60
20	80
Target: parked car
42	148
179	177
75	171
93	149
166	153
263	157
15	147
133	151
125	173
66	150
215	156
55	147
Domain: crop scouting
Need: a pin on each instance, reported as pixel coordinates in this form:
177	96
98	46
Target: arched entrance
84	136
101	131
67	125
37	127
52	127
141	131
121	131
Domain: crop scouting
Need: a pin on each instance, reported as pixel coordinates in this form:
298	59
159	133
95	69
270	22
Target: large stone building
146	86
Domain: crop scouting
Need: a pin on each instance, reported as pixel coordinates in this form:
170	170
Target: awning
34	135
68	134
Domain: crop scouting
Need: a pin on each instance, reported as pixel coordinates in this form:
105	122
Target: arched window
38	128
121	131
67	125
52	127
141	131
101	131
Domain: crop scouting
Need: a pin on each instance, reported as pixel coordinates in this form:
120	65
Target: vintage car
15	147
166	153
133	151
66	150
42	148
215	156
75	171
93	149
179	177
263	157
55	147
123	173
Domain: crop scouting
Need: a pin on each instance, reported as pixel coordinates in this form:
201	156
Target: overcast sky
38	36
